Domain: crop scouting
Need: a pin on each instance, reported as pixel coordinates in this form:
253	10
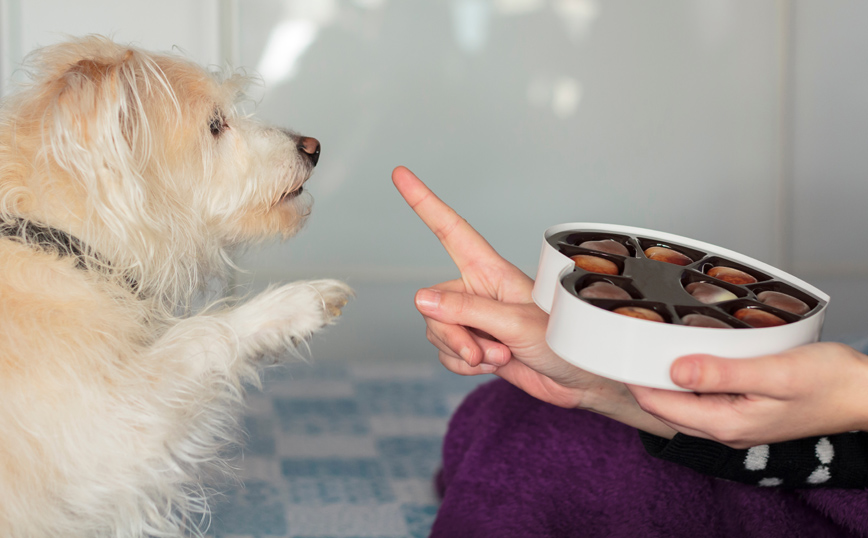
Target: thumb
710	374
465	309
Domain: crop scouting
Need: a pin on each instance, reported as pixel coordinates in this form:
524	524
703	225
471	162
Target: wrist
612	399
861	409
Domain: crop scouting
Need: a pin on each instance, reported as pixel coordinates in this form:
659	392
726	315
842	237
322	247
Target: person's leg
515	466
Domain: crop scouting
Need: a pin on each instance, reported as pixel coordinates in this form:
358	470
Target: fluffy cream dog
124	178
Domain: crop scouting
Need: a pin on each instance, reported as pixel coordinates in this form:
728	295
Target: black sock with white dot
836	461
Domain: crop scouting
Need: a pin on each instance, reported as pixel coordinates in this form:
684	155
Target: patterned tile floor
336	450
341	449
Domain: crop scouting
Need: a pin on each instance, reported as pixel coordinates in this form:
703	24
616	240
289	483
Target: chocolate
609	246
701	320
758	318
639	313
663	254
783	301
731	275
734	293
603	290
709	293
595	264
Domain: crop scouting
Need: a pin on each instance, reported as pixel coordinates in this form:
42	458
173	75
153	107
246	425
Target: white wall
830	149
658	114
193	26
741	123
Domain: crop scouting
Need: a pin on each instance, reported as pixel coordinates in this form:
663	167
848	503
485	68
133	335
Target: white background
741	123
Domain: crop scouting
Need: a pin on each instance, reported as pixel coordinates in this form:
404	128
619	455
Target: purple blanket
516	467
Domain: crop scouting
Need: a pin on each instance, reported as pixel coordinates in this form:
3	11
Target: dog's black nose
310	147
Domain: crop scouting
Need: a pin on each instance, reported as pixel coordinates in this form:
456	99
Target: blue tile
256	510
261	508
451	383
297	372
410	457
330	467
408	398
259	432
419	519
313	416
333	481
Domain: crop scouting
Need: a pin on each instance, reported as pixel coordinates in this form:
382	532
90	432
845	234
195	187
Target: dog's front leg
287	315
189	383
203	361
227	342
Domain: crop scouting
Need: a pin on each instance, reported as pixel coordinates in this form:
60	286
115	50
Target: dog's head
145	158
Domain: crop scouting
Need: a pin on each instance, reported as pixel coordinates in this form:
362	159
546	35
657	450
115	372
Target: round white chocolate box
625	302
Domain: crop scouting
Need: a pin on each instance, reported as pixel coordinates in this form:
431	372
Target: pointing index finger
461	241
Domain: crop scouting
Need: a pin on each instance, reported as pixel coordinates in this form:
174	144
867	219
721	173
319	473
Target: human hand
486	321
484	272
816	389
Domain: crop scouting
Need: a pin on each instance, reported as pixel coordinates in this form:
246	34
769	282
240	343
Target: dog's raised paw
335	295
290	314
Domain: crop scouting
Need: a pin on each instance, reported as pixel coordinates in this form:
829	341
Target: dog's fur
111	401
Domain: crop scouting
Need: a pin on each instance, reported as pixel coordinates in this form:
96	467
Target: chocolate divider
657	281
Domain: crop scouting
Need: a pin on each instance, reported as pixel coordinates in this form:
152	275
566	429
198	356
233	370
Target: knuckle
459	306
465	303
788	382
787	379
457	303
838	348
445	230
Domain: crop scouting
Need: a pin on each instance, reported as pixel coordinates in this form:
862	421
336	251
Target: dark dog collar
52	239
45	237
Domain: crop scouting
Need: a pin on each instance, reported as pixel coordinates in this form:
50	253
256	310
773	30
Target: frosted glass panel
521	114
831	138
191	26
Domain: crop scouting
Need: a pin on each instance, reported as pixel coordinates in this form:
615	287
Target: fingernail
494	356
428	299
487	368
466	355
685	373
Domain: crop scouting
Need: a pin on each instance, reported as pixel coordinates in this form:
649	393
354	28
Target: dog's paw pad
335	308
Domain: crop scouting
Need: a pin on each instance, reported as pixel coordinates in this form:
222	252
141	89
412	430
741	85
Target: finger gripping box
625	302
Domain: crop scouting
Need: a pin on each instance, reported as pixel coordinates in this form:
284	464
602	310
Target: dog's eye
218	124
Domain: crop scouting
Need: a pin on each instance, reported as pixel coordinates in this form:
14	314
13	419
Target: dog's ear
96	97
90	69
96	130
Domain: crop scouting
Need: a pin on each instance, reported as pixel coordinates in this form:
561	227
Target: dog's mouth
289	195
